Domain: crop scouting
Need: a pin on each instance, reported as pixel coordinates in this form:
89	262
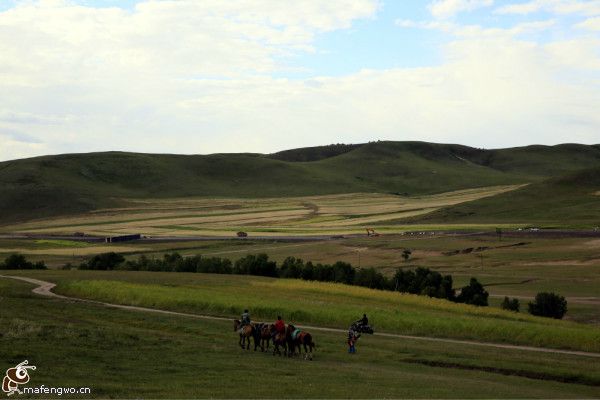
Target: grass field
322	304
313	215
569	266
123	354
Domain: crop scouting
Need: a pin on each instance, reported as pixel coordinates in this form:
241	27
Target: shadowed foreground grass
123	354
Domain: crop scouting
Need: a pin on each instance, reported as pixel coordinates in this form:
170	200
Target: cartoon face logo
16	376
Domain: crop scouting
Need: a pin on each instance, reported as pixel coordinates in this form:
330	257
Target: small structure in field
122	238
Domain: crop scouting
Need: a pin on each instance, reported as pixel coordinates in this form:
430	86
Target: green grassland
569	200
569	266
124	354
69	184
322	304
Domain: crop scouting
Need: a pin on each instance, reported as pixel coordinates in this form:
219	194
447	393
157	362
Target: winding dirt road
44	288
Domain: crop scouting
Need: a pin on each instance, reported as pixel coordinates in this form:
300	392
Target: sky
207	76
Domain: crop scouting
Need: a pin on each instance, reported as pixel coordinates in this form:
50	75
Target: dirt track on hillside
44	288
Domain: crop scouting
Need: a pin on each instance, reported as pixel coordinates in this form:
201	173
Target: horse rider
244	320
279	327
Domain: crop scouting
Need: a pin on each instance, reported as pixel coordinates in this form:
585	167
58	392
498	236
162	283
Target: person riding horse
279	327
245	320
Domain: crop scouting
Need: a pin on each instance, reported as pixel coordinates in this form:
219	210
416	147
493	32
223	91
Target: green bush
473	294
549	305
510	305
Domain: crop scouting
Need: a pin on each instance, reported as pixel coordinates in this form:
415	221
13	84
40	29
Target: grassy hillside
570	199
66	184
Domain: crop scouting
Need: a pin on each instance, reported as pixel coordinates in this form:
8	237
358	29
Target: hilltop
72	183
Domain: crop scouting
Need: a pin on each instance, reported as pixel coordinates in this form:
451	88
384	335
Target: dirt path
45	289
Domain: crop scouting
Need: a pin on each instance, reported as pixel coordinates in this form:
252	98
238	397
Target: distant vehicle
242	234
371	232
337	237
79	234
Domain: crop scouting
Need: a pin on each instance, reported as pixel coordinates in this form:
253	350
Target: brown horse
264	335
299	339
246	333
279	340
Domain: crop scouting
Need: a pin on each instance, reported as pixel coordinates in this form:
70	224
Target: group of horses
284	343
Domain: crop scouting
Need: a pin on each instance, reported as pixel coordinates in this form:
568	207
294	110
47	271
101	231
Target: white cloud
589	7
198	77
592	24
443	9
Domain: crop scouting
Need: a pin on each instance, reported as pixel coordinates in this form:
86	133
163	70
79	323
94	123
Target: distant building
123	238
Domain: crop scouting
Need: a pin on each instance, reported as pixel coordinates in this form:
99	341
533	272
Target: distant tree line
421	281
18	261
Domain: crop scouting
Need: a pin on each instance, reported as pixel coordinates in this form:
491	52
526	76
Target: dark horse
262	335
298	338
246	333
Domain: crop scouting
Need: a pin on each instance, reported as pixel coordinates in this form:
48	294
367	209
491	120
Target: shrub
473	294
511	305
549	305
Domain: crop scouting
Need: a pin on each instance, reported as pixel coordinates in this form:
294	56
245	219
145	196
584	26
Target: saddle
295	334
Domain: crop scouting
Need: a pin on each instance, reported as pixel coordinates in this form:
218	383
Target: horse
246	333
279	340
299	339
262	335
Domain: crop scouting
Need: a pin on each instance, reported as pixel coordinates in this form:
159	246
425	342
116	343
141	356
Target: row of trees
545	304
421	281
18	261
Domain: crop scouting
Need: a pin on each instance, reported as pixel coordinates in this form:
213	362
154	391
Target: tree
473	294
510	305
406	254
549	305
104	261
18	261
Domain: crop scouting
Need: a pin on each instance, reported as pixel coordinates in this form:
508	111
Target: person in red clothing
279	326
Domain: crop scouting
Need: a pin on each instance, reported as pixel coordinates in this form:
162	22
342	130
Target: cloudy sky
204	76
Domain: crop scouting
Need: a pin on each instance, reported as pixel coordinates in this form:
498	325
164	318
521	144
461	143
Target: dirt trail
44	288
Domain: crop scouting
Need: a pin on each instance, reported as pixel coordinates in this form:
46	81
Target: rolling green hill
64	184
572	199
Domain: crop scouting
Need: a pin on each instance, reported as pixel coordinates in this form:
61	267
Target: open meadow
153	355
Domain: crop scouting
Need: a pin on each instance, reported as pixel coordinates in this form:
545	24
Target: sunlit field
314	215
